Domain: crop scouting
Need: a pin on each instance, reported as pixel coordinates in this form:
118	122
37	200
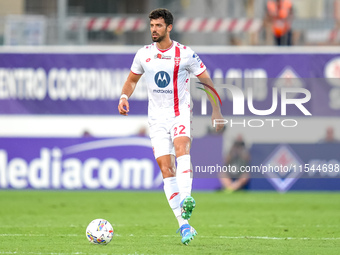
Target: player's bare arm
216	111
128	88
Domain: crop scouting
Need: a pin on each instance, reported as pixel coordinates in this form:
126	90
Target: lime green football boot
187	206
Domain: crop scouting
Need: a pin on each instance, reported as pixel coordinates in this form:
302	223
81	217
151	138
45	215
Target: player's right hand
123	106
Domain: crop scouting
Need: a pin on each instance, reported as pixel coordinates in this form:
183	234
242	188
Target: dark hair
162	13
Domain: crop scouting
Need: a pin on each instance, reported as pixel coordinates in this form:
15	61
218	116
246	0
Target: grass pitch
48	222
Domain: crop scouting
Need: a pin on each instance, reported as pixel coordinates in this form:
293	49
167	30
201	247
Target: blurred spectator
235	40
237	157
329	137
278	20
143	131
336	30
86	134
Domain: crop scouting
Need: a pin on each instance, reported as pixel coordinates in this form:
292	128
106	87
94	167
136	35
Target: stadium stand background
114	22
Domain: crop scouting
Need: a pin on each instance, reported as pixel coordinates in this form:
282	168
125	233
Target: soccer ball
99	231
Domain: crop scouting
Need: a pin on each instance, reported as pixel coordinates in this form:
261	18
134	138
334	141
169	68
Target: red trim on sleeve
135	73
201	73
176	69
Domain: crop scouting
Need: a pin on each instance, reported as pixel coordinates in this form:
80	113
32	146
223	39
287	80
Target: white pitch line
53	253
36	235
199	236
279	238
262	237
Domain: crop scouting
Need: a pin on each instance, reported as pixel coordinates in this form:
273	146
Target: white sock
181	221
172	195
184	176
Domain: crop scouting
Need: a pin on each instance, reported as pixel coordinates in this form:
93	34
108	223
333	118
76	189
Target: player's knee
182	146
168	171
182	150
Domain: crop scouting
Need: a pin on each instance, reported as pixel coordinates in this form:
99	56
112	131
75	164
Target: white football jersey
167	75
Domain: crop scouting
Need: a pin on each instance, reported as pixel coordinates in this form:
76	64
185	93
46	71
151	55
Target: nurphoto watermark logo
243	103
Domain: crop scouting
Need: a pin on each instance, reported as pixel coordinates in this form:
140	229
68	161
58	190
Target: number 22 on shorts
179	130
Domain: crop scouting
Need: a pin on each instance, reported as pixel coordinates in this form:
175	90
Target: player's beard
159	38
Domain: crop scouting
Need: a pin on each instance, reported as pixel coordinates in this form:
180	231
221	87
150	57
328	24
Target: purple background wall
128	163
35	84
50	73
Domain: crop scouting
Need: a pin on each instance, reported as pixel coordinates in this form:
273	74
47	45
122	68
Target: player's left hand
217	115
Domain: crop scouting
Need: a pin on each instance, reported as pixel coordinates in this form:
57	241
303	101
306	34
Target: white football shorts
163	131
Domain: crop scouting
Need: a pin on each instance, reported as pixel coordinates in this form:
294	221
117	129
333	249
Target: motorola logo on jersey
162	79
162	91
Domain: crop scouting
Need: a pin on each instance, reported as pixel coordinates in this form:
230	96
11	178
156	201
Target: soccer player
167	65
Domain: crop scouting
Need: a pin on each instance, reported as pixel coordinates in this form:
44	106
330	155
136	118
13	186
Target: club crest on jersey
161	56
162	79
177	61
